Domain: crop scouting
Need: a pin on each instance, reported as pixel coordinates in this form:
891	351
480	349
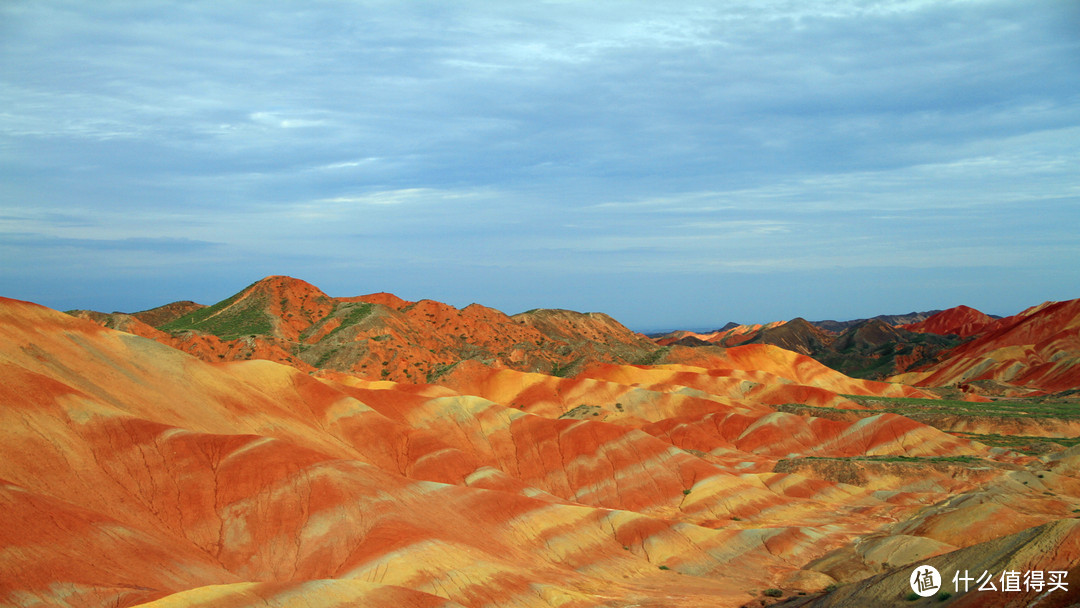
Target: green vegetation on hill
874	357
225	320
1026	444
566	370
653	357
439	370
351	314
901	459
872	349
943	413
1028	408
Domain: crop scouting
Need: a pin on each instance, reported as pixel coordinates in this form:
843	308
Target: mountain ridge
1034	352
381	336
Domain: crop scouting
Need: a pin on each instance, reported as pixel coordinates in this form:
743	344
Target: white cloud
350	164
275	119
577	137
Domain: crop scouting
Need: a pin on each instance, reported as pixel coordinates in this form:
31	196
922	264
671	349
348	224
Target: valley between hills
284	447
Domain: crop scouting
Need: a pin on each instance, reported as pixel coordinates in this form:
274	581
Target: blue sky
672	166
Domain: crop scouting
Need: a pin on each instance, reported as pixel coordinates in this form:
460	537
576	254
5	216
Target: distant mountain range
1035	350
870	348
382	336
911	317
839	326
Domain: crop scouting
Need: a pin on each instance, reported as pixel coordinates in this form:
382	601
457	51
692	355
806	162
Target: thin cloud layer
546	154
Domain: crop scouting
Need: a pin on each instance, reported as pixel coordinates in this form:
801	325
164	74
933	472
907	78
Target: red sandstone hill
381	336
133	474
1038	350
166	313
729	336
962	321
870	349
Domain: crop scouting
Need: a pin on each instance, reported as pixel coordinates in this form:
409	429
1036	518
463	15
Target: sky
675	165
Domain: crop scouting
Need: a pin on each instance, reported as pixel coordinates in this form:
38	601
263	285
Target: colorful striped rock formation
134	474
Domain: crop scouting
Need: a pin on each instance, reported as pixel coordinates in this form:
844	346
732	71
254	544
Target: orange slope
135	473
771	374
113	445
1036	349
724	337
722	415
